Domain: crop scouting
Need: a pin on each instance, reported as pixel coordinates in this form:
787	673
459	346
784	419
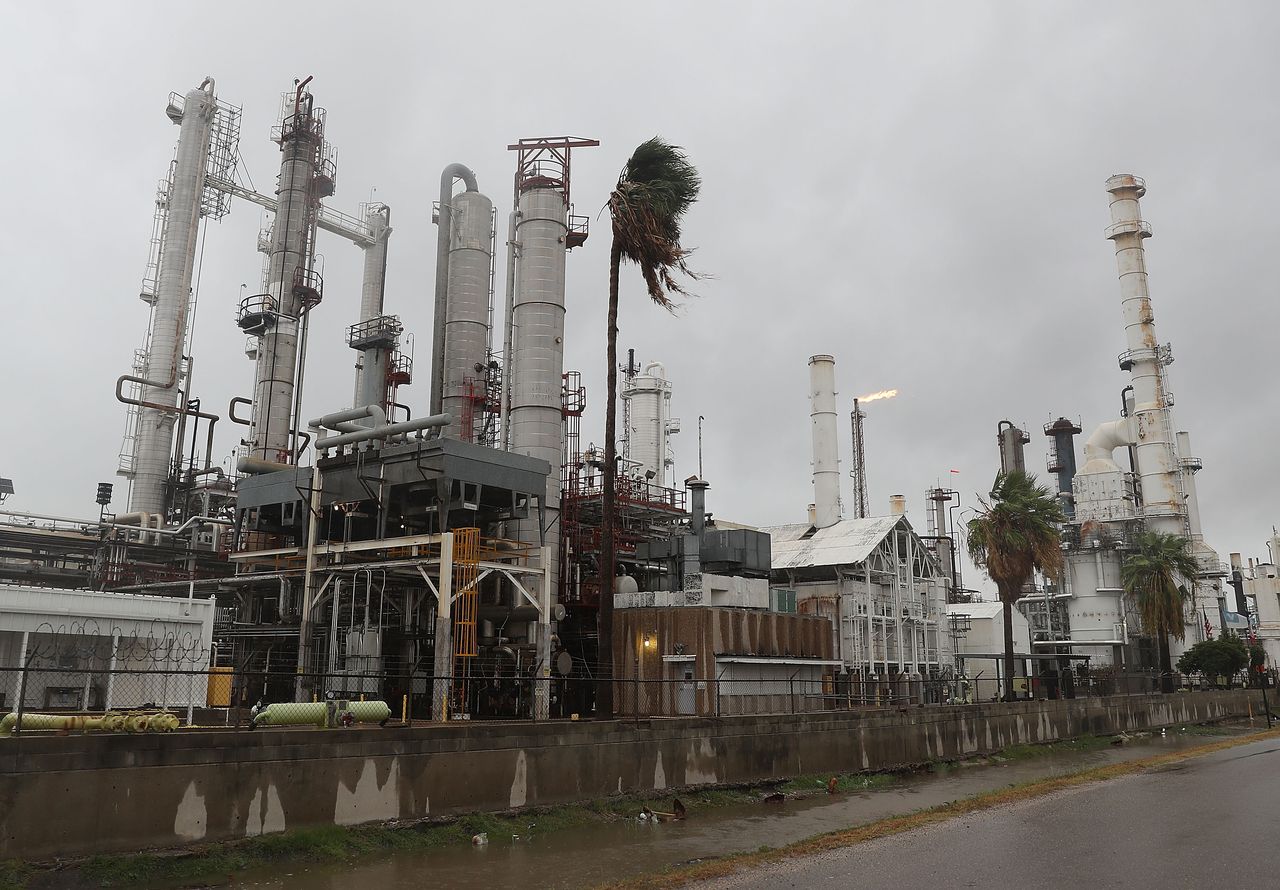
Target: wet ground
599	853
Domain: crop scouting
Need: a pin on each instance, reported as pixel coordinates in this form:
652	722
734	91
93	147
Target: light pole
700	419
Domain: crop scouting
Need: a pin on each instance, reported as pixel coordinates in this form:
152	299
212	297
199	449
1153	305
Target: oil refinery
433	537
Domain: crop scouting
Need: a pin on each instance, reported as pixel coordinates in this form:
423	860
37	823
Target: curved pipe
231	411
443	219
1103	442
297	97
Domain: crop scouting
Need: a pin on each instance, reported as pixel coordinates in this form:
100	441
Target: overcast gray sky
915	188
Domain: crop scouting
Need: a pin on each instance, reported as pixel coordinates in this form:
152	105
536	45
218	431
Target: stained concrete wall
64	796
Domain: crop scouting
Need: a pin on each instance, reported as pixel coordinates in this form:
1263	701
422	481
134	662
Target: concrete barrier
76	795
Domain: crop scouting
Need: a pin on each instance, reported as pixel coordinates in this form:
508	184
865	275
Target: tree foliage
1152	575
1222	657
1015	533
655	188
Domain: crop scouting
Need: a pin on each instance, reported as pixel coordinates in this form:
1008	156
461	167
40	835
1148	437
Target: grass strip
682	876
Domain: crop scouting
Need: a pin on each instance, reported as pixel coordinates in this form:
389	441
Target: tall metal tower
859	471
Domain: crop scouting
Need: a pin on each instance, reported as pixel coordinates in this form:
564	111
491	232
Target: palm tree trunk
608	549
1166	663
1008	647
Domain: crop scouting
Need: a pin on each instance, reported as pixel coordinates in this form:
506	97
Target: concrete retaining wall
87	794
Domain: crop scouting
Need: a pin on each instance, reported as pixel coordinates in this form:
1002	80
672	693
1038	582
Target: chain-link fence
94	698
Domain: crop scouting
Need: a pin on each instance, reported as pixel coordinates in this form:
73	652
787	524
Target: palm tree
1150	576
655	188
1013	535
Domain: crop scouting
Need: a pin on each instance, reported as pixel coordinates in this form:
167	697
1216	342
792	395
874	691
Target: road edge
683	876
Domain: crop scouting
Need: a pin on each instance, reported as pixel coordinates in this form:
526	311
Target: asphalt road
1210	821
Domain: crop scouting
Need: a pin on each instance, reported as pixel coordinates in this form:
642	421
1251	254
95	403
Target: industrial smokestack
826	450
698	504
897	504
1144	360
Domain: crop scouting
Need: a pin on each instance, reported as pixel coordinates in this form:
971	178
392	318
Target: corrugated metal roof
977	609
847	542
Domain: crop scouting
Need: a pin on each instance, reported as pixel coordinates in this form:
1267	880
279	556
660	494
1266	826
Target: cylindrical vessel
1154	450
826	452
272	417
371	369
173	293
467	309
1095	610
1188	466
537	358
1011	439
649	396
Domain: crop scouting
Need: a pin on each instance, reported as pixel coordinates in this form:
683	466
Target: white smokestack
826	450
897	504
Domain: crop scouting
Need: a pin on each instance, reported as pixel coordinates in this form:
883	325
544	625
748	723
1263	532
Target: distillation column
375	335
467	313
648	395
537	359
292	288
826	454
154	443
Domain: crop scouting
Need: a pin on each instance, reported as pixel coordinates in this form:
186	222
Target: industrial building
450	557
880	584
1107	503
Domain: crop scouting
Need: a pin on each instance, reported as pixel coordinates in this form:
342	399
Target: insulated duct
826	449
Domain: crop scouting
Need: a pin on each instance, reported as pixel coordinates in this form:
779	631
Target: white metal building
76	643
985	634
880	586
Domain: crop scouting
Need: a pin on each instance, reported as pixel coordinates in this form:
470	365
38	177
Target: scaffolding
466	571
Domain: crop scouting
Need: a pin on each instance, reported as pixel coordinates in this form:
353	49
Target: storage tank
467	312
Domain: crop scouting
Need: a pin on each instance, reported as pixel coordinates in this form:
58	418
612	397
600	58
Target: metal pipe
328	421
508	332
256	466
443	219
380	432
